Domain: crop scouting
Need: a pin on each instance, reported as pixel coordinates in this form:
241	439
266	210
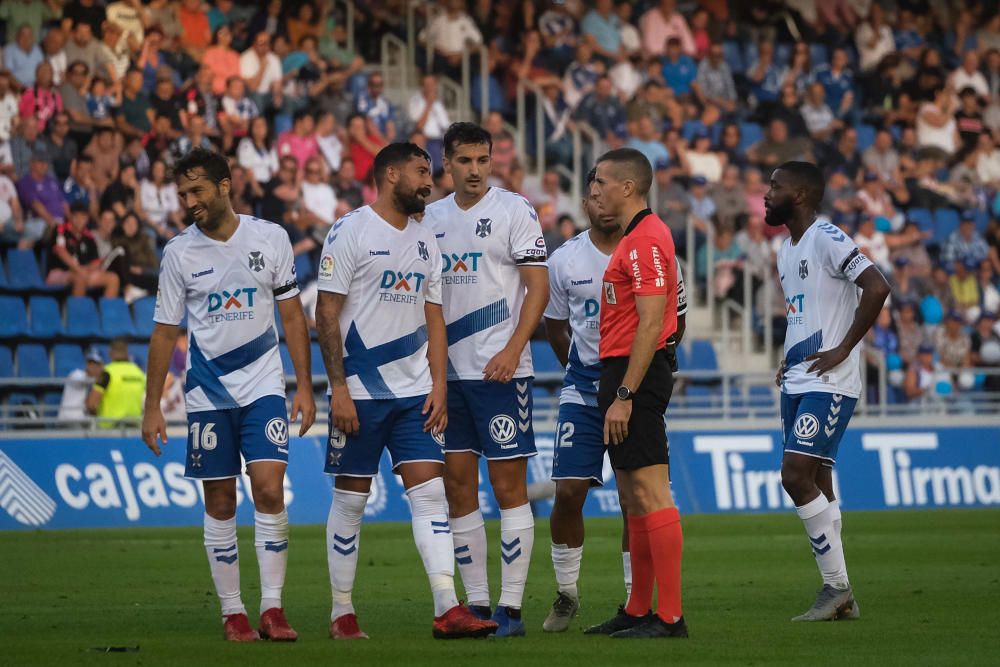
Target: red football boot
346	627
274	626
237	629
458	623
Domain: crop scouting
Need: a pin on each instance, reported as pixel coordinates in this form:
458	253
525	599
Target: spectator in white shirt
450	33
11	216
874	39
328	141
72	405
967	75
430	117
158	198
257	155
988	161
260	67
319	202
817	114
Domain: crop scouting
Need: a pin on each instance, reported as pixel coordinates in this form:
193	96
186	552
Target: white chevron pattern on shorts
21	497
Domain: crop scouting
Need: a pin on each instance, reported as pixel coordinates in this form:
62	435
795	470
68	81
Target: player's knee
570	497
463	494
220	506
795	482
509	490
269	498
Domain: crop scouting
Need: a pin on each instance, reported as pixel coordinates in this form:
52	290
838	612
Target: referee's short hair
807	176
394	155
630	164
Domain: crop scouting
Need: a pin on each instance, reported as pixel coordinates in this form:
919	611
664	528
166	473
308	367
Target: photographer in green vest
120	390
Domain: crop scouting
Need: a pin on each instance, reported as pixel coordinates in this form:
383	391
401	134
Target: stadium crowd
898	101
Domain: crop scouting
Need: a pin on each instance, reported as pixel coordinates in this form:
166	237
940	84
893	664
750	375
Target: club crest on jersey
483	228
502	430
256	260
803	269
422	250
276	431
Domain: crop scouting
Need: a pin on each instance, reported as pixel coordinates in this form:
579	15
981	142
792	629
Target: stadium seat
116	319
6	362
82	320
23	272
732	53
982	220
691	128
277	322
67	357
543	358
818	55
14	322
317	360
3	275
46	320
750	133
304	270
139	353
286	360
703	356
33	361
921	216
866	136
142	316
783	54
946	221
682	357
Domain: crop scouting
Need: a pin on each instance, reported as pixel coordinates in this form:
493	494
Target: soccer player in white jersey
227	271
576	272
821	270
495	287
382	334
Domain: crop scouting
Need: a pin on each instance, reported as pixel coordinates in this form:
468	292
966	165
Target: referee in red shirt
638	314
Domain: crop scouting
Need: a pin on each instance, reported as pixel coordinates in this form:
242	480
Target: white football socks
271	542
469	536
835	516
566	563
825	541
517	535
432	535
627	569
343	535
224	563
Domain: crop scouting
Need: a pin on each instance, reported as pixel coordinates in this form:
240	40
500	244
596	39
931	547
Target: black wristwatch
624	393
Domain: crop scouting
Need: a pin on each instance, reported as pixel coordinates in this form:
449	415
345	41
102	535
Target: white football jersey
817	275
481	250
387	275
229	290
576	270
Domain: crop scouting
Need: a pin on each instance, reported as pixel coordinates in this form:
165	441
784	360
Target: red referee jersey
643	264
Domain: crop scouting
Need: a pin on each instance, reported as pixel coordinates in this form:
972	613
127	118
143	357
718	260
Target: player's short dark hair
465	133
808	176
215	165
631	164
591	176
394	155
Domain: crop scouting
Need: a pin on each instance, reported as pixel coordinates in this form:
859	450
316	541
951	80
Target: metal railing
395	66
524	87
348	21
484	74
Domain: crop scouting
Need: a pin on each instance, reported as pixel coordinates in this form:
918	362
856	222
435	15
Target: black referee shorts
646	443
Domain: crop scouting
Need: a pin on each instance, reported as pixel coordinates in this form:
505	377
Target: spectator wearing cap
72	405
925	378
966	243
660	24
22	56
964	286
952	344
909	330
80	186
41	198
702	204
714	86
985	348
74	260
601	109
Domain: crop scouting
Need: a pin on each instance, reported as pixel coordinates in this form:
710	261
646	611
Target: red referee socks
656	542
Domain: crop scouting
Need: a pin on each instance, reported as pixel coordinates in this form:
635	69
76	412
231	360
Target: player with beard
571	322
228	271
821	270
382	334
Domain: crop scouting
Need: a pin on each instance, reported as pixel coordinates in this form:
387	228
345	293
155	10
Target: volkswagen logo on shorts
438	437
337	438
277	431
806	427
502	429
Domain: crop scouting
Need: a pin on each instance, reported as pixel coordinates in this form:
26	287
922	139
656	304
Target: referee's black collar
637	219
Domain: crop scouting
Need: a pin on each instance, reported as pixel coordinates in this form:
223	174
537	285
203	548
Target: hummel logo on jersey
206	272
439	236
256	261
379	253
483	228
21	497
804	269
577	283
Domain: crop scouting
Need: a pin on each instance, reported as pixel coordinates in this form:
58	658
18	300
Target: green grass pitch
928	583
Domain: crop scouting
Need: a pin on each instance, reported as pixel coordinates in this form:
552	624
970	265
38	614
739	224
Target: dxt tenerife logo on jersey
795	309
460	268
591	309
227	306
400	287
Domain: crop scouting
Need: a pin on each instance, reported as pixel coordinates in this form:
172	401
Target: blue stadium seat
921	216
286	360
682	357
139	353
142	315
982	220
82	320
14	319
278	323
866	136
818	55
6	362
33	361
23	272
304	269
691	128
732	53
67	358
3	275
317	360
946	221
783	54
703	356
46	320
543	358
750	133
116	319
